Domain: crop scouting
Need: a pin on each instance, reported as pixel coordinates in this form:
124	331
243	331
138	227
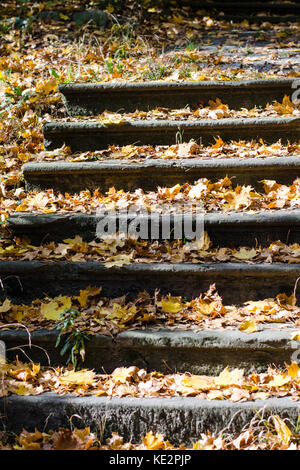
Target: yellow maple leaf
292	369
226	377
279	380
64	17
219	142
286	107
215	395
171	305
296	336
6	306
53	309
110	8
282	429
154	441
260	306
197	382
86	293
197	446
121	375
73	241
81	377
245	254
249	326
47	86
118	261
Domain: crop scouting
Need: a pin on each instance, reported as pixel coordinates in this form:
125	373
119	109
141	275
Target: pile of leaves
32	379
118	250
134	153
270	434
202	195
95	314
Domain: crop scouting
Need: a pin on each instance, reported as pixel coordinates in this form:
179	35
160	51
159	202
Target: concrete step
94	98
224	229
243	6
89	136
122	174
181	420
257	19
199	352
24	281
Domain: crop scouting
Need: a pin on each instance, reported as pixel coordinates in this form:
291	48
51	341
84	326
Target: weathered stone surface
236	282
198	352
224	229
78	176
84	136
94	98
94	15
181	420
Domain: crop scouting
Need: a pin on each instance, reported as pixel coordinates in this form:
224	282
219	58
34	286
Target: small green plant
74	340
156	72
191	46
110	66
185	72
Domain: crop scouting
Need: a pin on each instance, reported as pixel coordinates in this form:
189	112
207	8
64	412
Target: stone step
151	173
224	229
24	281
94	98
199	352
181	420
244	6
241	5
280	12
89	136
254	19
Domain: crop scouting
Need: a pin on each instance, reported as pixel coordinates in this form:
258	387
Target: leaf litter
97	314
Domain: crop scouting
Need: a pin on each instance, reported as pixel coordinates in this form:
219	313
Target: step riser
243	6
205	352
257	19
235	229
74	177
181	420
236	282
93	99
250	7
93	136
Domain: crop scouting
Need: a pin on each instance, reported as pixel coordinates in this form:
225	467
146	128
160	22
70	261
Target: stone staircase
206	352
